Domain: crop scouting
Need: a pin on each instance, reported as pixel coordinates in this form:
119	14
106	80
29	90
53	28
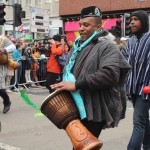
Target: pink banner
106	24
71	28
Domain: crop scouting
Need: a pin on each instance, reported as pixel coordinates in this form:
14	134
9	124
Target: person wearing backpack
63	58
53	67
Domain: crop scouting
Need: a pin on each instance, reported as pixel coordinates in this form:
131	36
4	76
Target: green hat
28	38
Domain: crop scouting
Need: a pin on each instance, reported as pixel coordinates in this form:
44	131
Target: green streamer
38	115
28	101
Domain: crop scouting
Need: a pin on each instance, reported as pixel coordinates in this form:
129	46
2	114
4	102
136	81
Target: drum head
47	98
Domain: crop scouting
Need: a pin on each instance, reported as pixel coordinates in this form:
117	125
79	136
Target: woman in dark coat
27	64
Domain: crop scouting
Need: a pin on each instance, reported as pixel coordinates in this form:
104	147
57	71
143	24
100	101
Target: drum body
3	59
13	65
61	110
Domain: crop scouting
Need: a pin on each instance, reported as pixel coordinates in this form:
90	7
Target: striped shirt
5	42
137	52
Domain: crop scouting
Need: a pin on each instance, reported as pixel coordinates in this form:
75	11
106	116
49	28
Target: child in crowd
27	67
17	56
35	66
42	69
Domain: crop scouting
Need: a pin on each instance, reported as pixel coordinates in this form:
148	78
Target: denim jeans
19	71
141	124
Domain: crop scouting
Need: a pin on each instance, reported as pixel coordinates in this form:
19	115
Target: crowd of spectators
32	56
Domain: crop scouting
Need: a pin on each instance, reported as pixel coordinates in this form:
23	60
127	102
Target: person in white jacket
5	46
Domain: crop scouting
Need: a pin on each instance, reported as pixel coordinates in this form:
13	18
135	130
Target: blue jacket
16	55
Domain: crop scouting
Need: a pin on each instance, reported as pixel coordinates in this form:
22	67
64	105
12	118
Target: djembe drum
13	65
61	110
3	59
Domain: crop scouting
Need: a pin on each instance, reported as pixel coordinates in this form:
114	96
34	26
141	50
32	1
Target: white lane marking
8	147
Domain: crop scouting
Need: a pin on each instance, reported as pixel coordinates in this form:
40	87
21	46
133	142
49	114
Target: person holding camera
53	68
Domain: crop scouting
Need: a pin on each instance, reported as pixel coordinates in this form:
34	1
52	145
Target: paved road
21	130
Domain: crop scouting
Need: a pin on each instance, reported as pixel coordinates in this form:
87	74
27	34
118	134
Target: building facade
55	24
112	10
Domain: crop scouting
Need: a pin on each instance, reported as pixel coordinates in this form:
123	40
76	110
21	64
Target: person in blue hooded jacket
17	56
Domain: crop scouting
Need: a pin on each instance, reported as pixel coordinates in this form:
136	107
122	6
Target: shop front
72	27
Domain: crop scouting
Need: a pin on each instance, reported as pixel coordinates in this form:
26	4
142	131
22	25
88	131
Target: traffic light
2	14
127	24
17	12
118	28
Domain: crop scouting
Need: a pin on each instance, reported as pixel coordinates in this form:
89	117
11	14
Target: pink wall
71	28
106	23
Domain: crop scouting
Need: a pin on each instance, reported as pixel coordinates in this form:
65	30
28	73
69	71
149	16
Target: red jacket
52	64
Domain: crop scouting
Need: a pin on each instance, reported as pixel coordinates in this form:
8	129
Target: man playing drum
100	72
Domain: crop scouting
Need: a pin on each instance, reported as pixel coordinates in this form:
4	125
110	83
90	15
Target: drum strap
78	72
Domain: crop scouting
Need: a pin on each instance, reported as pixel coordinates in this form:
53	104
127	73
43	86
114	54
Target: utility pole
122	29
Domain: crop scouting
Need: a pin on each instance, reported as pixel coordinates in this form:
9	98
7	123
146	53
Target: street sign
39	20
20	28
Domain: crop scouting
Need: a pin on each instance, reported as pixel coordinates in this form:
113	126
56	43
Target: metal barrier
37	74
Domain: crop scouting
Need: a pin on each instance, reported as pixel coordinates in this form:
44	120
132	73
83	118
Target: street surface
22	130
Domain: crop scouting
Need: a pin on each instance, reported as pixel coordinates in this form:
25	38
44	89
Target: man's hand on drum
2	50
67	85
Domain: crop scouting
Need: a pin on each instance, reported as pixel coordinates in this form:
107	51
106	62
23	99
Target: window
28	2
48	1
19	1
11	2
37	1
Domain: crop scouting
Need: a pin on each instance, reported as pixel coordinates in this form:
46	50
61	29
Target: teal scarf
68	76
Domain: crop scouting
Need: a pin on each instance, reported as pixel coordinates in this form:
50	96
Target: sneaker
33	85
16	90
20	88
29	81
39	86
8	91
6	108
